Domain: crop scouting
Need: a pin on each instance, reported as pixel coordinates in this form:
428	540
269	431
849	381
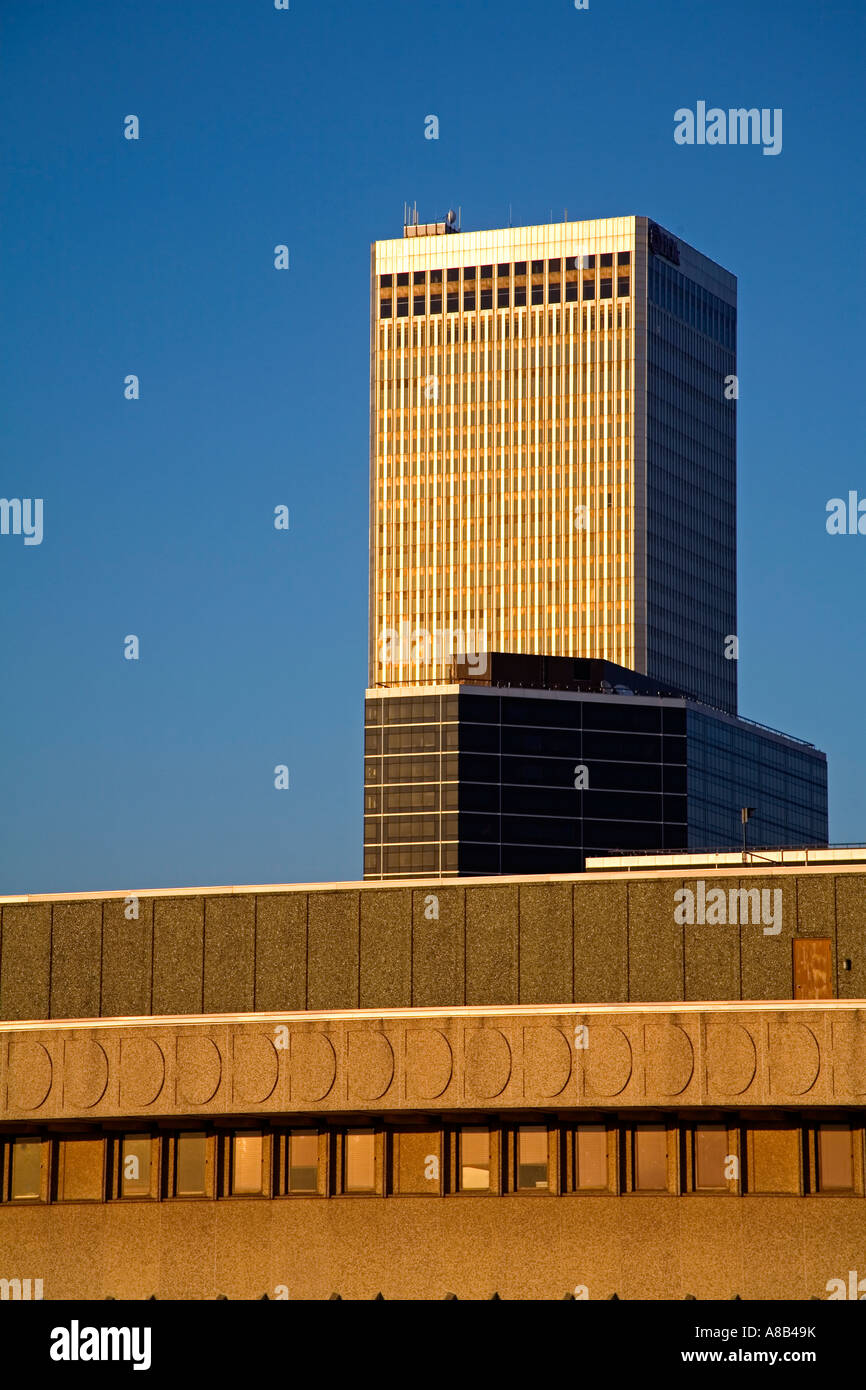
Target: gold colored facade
506	449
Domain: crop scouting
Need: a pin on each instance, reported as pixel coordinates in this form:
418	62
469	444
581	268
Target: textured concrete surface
25	960
371	1062
557	941
422	1247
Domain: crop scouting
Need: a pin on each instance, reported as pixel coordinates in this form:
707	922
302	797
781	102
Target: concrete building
646	1079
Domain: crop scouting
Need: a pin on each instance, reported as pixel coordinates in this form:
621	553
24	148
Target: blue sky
155	257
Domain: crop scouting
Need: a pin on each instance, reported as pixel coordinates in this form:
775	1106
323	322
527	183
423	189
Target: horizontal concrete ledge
373	1061
500	1011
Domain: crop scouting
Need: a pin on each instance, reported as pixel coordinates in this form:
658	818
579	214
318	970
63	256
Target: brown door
813	968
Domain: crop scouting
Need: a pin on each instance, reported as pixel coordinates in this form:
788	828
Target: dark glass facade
691	520
531	782
731	765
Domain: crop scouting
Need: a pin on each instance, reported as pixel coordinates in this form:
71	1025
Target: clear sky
156	257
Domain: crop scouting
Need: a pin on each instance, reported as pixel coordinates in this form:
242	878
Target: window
469	273
588	289
554	265
486	272
136	1165
403	278
623	257
590	1157
385	281
710	1157
606	258
503	269
520	267
418	277
80	1170
359	1161
605	289
191	1164
537	267
303	1169
468	299
247	1153
835	1158
453	273
26	1164
533	1165
622	287
650	1150
474	1159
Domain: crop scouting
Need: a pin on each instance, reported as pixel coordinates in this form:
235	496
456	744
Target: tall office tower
553	452
553	558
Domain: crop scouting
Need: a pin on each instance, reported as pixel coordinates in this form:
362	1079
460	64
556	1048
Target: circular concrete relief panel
546	1061
795	1059
488	1062
670	1058
731	1058
142	1070
255	1068
849	1055
429	1062
371	1064
199	1069
607	1060
85	1073
29	1076
314	1066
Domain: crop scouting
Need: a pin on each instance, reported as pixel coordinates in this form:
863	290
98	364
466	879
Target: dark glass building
691	508
503	778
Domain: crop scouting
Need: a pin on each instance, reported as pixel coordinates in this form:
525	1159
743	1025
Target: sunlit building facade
553	452
538	1087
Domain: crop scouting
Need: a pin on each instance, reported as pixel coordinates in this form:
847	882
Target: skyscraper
553	452
553	517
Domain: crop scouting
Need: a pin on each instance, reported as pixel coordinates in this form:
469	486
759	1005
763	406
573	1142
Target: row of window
489	709
504	270
734	1154
505	297
497	330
